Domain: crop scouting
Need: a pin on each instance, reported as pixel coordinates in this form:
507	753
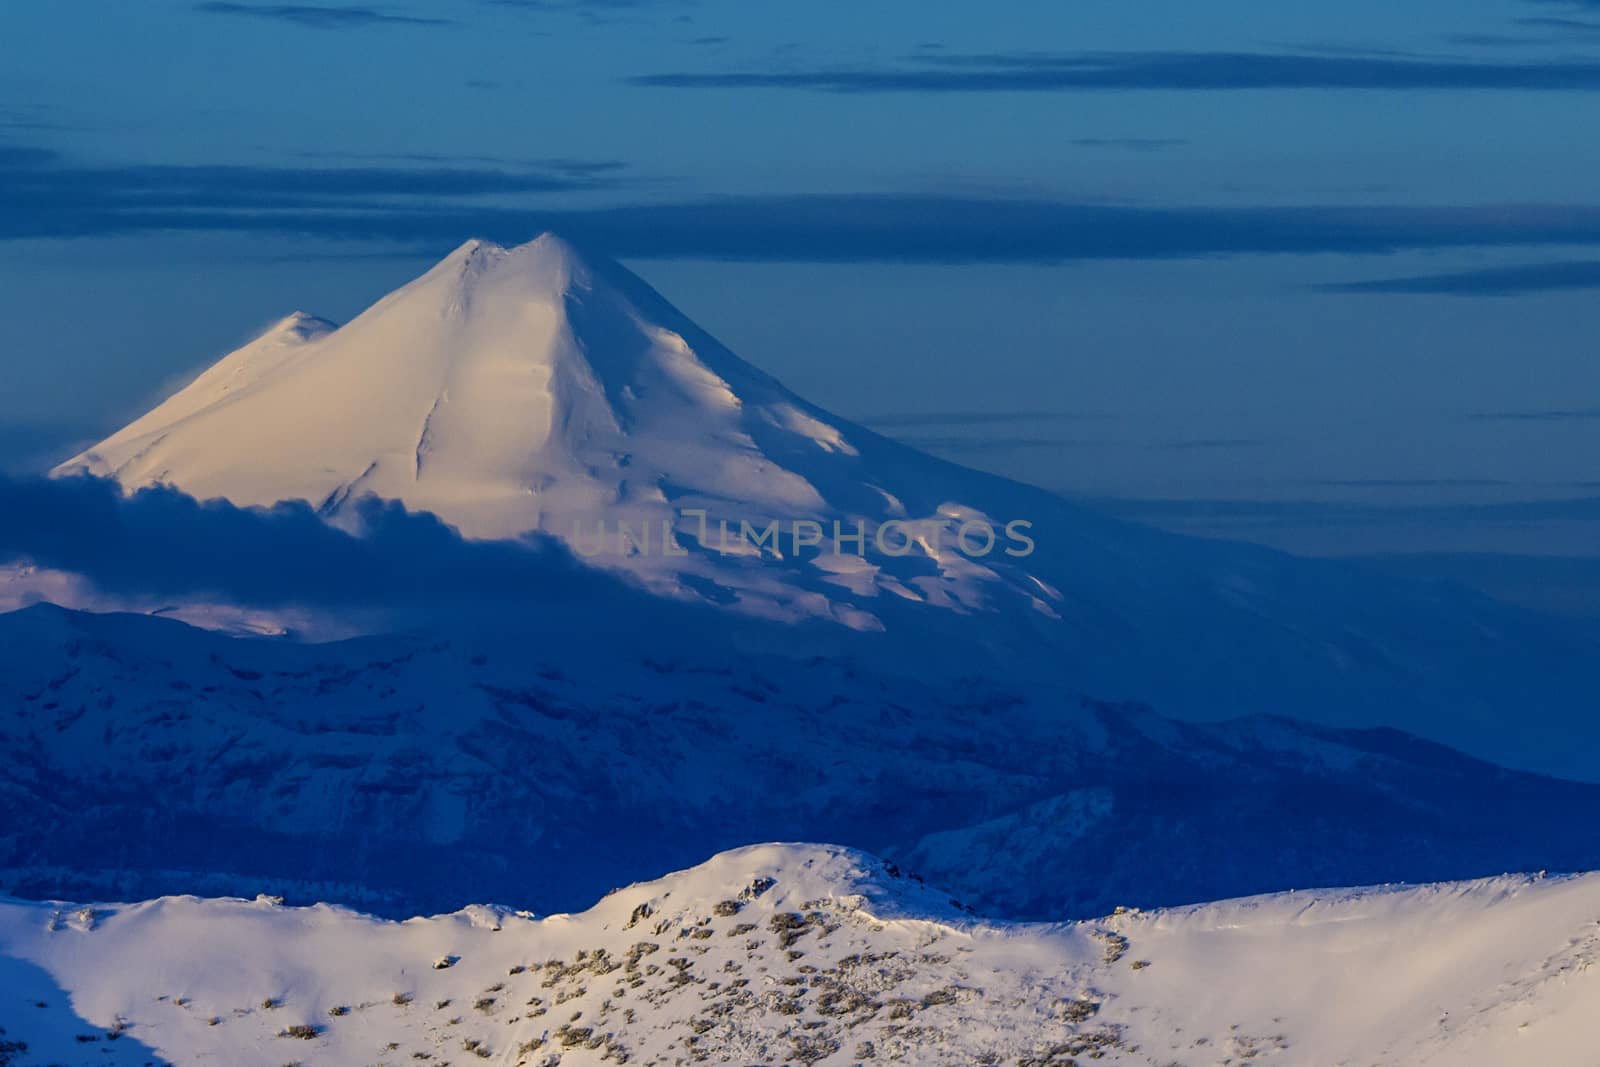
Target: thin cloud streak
921	419
958	445
44	197
1121	71
1493	281
1204	443
1542	30
1410	483
1277	512
1132	144
1564	27
319	16
1550	415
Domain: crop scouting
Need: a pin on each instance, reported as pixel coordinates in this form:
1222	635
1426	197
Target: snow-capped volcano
530	389
502	390
533	389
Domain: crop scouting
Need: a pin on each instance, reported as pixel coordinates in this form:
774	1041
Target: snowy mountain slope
512	390
509	391
504	390
817	955
406	774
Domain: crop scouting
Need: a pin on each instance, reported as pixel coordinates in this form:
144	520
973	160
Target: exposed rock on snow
816	955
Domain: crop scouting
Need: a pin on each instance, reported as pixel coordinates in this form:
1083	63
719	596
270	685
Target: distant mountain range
417	773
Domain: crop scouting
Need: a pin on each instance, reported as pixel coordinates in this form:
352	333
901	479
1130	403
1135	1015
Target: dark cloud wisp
1325	512
1183	71
320	16
1563	27
1545	415
45	195
940	419
1534	30
434	207
960	445
1201	444
1131	144
1493	281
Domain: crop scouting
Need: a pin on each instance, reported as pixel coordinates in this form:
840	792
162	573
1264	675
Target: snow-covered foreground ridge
819	955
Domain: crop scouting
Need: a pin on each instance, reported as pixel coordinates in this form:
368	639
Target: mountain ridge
819	955
535	767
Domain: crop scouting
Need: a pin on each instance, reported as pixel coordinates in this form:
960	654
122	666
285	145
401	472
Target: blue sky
1294	255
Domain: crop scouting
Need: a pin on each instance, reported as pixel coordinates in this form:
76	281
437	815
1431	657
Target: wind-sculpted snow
532	390
808	954
540	767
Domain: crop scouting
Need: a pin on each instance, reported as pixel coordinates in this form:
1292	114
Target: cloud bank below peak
160	542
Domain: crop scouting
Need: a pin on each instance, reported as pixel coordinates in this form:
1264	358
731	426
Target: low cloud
159	542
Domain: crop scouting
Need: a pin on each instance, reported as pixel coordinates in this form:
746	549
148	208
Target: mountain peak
548	258
505	389
300	326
